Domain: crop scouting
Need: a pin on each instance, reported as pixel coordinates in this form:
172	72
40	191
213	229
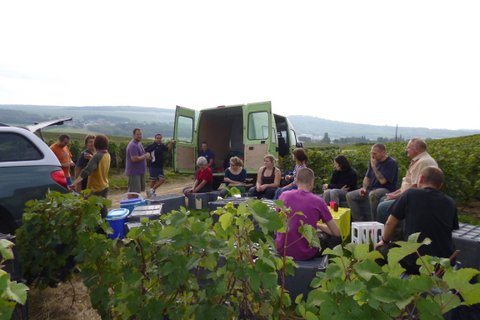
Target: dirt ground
70	301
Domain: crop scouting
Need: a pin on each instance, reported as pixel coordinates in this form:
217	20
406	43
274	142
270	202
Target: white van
249	131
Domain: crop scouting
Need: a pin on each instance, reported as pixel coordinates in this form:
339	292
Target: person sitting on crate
301	159
314	209
380	178
426	210
419	158
343	180
203	178
235	176
268	179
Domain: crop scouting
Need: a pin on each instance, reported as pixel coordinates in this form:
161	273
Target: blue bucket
117	218
130	204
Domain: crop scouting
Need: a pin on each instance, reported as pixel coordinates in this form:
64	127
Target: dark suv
28	170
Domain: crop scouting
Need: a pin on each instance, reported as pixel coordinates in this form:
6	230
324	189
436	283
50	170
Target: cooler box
117	218
151	212
131	203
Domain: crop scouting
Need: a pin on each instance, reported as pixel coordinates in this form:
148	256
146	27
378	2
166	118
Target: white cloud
411	63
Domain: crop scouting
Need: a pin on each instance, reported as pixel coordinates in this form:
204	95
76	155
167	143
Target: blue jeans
280	190
382	210
336	195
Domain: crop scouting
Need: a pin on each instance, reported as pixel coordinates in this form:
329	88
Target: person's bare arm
140	158
258	185
393	195
377	173
365	184
199	186
77	171
388	230
334	230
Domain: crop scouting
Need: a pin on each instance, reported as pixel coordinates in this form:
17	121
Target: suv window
15	147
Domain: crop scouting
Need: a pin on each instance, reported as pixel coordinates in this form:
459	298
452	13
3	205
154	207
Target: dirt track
173	187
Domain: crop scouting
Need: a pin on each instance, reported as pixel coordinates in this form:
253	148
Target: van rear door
257	134
184	155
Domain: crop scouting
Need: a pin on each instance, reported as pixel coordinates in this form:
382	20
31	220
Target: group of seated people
418	201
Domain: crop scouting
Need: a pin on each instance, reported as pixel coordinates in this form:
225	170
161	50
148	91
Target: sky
406	63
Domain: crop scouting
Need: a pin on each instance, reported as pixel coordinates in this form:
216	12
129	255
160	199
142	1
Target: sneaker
151	193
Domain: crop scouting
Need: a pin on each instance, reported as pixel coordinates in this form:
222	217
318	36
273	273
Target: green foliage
355	286
457	157
48	238
185	266
11	292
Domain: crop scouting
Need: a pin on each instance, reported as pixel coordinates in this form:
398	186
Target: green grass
469	219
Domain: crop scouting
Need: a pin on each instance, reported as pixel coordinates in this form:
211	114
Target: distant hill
120	120
336	129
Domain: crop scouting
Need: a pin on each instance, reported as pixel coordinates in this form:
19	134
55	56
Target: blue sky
411	63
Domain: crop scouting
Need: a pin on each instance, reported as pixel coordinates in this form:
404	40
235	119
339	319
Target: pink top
314	209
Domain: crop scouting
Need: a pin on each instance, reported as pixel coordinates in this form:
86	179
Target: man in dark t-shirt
428	211
155	167
208	154
380	178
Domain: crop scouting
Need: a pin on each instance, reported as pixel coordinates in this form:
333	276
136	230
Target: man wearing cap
156	150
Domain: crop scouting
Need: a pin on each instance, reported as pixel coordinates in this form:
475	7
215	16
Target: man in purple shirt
313	208
135	164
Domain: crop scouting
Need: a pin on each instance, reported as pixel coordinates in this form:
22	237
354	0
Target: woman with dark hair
343	180
301	159
97	169
84	157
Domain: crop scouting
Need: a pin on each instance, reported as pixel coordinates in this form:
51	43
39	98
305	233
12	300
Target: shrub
48	238
11	292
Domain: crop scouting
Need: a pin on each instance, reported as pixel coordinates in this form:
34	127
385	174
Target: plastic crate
151	212
467	240
169	202
364	232
300	281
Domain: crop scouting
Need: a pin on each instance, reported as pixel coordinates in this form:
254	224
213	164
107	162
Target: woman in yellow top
97	169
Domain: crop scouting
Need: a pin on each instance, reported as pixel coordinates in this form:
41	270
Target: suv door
184	133
257	134
28	170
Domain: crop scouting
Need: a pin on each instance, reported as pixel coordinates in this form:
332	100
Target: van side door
184	133
257	134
